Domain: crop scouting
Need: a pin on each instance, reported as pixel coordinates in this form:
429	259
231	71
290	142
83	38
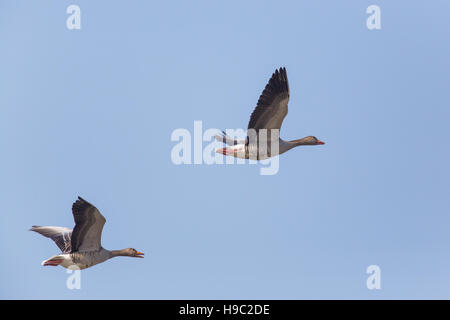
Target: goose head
311	140
308	141
130	252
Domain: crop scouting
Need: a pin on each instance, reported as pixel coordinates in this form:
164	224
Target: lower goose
81	247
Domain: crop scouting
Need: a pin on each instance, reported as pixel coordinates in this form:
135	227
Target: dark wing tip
284	79
279	81
80	205
81	200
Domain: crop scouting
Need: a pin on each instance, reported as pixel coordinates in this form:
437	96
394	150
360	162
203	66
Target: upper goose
269	113
81	247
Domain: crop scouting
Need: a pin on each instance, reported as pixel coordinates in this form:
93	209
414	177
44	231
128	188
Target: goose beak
320	142
139	254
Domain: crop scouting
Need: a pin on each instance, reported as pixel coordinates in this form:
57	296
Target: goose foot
53	262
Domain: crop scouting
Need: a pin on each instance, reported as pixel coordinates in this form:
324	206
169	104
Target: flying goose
81	247
269	113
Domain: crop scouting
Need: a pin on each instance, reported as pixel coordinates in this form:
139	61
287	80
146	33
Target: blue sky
90	112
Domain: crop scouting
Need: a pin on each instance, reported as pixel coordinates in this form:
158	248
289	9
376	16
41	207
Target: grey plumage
81	247
263	133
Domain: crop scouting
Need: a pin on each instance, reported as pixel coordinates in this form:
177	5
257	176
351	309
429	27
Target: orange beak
320	142
139	254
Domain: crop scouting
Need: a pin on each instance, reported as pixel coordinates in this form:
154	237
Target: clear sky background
90	112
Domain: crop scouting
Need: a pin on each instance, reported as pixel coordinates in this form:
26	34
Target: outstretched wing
272	105
87	233
60	235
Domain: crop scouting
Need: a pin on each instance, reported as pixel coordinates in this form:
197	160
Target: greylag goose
269	114
81	247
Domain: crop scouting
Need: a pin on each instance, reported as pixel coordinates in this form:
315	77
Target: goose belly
70	264
83	260
255	152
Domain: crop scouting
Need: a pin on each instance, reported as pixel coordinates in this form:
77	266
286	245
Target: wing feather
60	235
87	233
272	105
